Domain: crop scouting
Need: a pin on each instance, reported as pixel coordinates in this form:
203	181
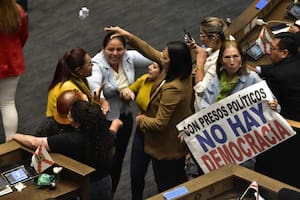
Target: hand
252	68
119	31
98	92
138	119
181	135
273	104
105	107
127	94
116	124
190	42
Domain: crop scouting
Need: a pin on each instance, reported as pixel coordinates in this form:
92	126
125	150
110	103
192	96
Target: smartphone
187	37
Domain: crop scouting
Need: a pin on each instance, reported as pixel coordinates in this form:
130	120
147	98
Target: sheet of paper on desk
286	29
4	187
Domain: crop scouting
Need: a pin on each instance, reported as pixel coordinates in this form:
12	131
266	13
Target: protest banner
235	129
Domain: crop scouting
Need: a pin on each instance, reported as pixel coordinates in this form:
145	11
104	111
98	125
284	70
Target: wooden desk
74	178
227	183
245	30
244	27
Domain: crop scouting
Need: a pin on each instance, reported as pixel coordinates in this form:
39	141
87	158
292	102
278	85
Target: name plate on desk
261	4
177	192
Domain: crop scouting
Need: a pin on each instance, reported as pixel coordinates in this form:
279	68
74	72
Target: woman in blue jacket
114	66
232	76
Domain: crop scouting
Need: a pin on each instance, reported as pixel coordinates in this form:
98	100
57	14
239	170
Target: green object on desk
45	180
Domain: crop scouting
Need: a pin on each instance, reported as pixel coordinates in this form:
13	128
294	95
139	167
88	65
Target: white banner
235	129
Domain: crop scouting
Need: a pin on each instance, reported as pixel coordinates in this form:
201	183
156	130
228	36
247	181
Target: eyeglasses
203	36
275	48
228	58
88	64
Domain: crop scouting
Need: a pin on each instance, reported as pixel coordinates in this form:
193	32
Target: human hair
10	17
66	65
180	61
87	114
95	127
108	37
214	26
287	41
220	66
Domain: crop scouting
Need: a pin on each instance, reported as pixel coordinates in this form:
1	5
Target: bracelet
199	68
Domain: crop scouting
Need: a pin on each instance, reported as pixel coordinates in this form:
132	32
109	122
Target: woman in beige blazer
171	100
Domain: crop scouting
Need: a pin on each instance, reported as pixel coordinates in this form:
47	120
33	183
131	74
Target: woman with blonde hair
13	36
213	32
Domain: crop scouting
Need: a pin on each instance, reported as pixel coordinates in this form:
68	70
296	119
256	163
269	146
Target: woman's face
165	59
232	60
114	52
153	71
205	39
86	69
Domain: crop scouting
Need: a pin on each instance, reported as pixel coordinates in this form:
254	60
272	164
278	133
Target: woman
232	76
170	102
13	36
90	141
114	67
213	32
71	72
140	92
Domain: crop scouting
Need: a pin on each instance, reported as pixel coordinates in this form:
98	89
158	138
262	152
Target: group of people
90	105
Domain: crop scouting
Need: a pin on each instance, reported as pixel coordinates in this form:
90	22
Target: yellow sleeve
135	87
54	94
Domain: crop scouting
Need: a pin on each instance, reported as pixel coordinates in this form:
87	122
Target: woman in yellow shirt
141	88
140	92
71	72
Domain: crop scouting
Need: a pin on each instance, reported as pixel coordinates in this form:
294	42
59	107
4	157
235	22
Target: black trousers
121	144
138	166
168	173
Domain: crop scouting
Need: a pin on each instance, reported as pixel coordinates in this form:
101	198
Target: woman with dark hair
170	103
71	72
13	36
90	141
114	66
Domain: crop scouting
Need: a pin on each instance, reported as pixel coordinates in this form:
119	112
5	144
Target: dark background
55	28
